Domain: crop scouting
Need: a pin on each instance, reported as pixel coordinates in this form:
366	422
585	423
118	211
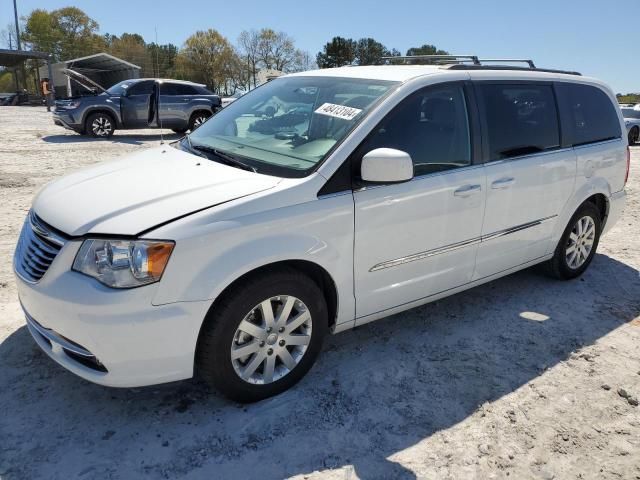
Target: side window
589	114
519	119
141	88
431	125
177	89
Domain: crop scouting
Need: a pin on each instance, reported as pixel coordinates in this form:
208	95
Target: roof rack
472	62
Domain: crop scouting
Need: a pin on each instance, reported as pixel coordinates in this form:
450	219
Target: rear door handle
505	182
466	190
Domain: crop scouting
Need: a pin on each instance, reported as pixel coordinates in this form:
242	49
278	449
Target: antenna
159	82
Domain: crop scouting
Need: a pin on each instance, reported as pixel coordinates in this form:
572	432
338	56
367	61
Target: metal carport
15	58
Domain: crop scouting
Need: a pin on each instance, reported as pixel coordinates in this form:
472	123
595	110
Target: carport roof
12	58
99	62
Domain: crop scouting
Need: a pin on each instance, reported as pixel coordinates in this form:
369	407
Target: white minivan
318	202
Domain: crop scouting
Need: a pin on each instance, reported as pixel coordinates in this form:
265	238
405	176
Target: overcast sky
597	38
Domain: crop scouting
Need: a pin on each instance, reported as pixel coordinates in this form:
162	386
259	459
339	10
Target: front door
530	177
134	104
419	238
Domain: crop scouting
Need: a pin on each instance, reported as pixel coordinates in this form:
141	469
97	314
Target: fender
104	108
592	187
218	252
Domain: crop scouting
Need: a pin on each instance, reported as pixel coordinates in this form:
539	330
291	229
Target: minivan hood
83	80
140	191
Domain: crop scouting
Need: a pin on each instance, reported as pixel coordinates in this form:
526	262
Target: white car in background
631	114
230	253
226	101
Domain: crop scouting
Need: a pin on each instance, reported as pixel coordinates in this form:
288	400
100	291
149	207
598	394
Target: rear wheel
263	336
197	119
578	243
634	133
100	125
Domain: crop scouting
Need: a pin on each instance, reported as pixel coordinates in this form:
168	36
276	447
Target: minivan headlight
123	263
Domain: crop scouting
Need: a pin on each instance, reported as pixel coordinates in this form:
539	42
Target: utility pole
15	14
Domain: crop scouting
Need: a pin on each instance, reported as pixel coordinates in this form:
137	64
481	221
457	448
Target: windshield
120	88
289	125
630	113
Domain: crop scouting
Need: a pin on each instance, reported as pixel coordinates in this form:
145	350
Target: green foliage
7	82
370	52
628	98
337	53
426	50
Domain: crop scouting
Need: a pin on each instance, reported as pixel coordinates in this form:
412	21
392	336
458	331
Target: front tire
100	125
263	335
578	243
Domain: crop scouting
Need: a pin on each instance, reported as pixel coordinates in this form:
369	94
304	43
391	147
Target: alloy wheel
199	120
101	126
271	339
580	242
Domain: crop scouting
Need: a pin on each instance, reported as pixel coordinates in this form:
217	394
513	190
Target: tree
276	50
337	53
370	52
248	43
209	58
426	50
66	33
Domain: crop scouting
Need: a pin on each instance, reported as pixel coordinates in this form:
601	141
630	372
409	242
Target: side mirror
154	103
386	165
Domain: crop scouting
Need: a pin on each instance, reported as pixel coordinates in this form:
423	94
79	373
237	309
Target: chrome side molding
455	246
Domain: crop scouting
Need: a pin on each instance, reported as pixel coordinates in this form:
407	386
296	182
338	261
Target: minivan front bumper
111	337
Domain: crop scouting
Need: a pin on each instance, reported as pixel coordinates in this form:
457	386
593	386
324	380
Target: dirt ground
525	377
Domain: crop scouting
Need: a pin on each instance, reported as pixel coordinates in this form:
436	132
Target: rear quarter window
588	114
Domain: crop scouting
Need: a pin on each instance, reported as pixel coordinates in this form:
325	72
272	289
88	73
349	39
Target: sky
595	37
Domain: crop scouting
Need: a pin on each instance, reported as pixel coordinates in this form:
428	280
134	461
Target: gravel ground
525	377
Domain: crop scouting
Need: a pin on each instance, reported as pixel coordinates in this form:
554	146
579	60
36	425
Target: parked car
183	106
231	253
631	114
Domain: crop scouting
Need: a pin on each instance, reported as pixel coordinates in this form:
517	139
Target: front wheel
263	336
100	125
578	243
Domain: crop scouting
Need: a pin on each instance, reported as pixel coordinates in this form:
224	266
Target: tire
564	265
180	130
634	133
230	325
197	119
100	125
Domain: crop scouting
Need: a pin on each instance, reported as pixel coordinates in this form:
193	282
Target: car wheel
198	119
578	243
180	130
634	133
263	335
100	125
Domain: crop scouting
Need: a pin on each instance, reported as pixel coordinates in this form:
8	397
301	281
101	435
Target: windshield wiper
224	157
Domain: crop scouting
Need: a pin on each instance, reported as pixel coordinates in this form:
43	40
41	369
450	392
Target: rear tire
578	243
100	125
197	119
277	356
634	133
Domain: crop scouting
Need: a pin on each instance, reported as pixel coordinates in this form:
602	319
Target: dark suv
183	106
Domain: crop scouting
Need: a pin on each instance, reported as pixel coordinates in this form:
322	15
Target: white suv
315	203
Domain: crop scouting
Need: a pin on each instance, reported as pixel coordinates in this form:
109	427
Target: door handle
505	182
466	190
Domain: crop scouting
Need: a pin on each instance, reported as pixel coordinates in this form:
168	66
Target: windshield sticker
338	111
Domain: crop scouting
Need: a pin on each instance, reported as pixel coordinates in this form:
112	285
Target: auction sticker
338	111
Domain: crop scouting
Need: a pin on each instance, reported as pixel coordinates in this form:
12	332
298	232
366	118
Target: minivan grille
37	248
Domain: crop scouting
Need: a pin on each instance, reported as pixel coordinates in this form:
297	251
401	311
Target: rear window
520	119
589	114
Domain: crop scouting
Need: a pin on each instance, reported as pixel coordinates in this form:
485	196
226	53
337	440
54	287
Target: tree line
206	57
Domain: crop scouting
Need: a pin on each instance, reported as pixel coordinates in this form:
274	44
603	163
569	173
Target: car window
141	88
520	119
589	114
177	89
630	112
287	126
432	126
